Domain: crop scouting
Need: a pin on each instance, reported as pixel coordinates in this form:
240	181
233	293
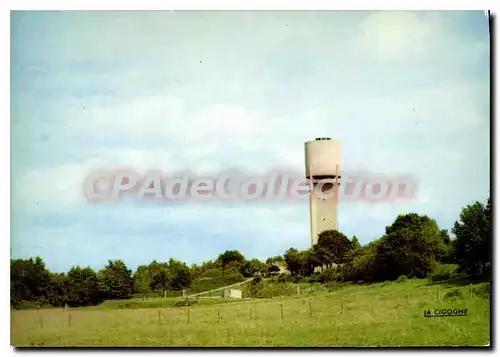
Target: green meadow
382	314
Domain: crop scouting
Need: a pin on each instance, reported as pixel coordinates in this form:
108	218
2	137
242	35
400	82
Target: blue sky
209	91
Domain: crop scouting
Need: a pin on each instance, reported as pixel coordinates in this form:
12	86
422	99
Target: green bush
361	266
440	272
482	290
328	275
266	289
257	278
185	302
23	304
157	294
453	295
402	279
286	278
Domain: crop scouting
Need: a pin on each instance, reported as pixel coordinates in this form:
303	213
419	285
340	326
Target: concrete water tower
323	163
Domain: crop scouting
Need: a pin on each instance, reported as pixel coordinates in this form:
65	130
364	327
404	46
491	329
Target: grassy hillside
386	314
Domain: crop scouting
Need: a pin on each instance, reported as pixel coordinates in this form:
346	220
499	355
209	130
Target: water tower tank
322	157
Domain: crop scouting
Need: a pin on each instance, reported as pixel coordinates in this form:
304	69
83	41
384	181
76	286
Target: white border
179	5
253	5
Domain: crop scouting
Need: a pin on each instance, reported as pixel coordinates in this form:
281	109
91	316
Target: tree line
413	246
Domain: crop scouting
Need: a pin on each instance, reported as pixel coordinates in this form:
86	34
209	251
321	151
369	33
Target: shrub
303	279
333	286
285	278
361	265
402	279
212	273
266	289
23	304
185	302
453	295
440	272
328	275
482	291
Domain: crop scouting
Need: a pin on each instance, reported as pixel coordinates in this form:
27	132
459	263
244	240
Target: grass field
386	314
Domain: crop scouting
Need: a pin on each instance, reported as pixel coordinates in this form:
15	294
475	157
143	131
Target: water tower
323	172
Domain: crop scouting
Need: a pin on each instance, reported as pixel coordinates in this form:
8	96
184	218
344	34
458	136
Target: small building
231	294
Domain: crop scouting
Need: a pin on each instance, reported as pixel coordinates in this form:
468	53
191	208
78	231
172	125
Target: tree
332	247
403	253
116	281
59	290
360	265
229	257
29	281
82	287
294	261
473	239
409	247
143	280
449	256
180	275
160	273
275	259
309	261
355	242
253	266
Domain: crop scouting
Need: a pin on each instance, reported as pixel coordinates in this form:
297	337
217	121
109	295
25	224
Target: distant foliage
355	243
473	242
266	289
115	281
200	285
441	272
257	278
185	302
332	247
29	281
231	258
328	275
83	287
251	267
285	278
361	265
409	247
413	246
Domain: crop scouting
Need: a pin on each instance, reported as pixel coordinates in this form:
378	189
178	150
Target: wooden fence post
40	317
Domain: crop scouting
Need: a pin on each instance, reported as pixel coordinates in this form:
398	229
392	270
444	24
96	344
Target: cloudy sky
208	91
